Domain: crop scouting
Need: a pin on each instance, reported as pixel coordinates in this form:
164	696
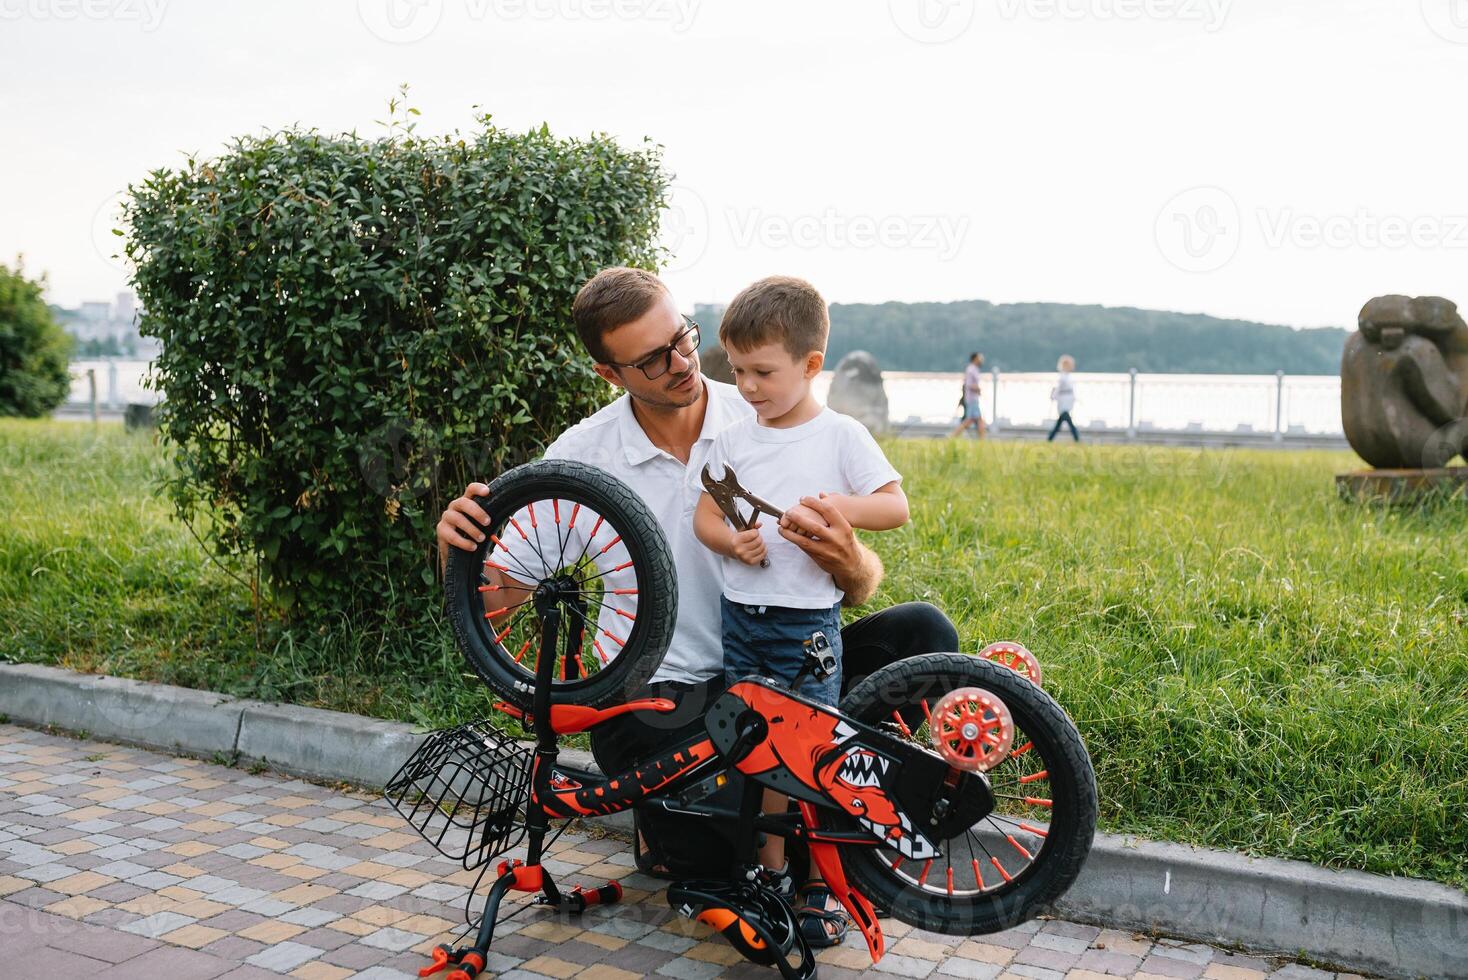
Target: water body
1184	402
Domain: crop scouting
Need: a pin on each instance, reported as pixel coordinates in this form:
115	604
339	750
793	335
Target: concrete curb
1393	926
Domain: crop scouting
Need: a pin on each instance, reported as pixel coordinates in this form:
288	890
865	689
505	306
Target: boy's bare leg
772	852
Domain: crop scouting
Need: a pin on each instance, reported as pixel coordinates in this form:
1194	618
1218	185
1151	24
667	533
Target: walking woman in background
969	403
1064	396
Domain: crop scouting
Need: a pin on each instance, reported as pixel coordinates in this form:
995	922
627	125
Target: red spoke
625	564
1004	874
1021	750
495	614
1034	830
504	633
531	507
599	651
896	862
978	875
625	614
926	713
902	725
1035	776
950	879
1032	801
556	508
519	528
610	544
624	592
574	511
923	878
613	636
521	655
1019	847
595	527
493	565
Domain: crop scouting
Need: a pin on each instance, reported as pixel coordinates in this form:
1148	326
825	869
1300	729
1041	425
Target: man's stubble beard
664	398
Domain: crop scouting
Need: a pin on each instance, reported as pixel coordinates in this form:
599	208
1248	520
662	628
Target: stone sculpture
1404	383
857	390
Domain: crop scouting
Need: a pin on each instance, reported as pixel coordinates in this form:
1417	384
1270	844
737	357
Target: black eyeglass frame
665	354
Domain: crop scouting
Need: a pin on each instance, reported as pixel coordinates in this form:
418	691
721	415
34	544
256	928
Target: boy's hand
800	519
748	546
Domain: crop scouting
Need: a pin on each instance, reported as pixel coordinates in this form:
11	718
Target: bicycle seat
569	719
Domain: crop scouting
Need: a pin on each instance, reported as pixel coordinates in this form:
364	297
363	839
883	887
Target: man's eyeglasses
660	361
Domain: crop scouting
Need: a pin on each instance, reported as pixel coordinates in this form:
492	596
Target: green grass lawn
1253	663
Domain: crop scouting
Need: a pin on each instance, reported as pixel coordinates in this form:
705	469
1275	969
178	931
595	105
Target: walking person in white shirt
972	413
1064	396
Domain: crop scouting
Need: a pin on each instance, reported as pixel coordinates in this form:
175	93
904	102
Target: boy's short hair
776	309
611	298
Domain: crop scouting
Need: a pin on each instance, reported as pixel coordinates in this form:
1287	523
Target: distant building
102	328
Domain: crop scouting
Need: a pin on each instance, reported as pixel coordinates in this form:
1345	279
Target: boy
775	334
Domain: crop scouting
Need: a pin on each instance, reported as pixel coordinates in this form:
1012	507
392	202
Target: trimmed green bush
33	349
355	329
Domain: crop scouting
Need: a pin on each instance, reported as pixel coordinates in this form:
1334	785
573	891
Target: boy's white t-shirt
831	452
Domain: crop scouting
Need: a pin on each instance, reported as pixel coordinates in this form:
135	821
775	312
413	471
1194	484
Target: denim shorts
770	641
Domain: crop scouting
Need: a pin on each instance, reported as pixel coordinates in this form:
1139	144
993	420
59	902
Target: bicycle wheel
572	529
1027	852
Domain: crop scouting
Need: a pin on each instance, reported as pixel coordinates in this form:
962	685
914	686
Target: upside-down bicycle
949	789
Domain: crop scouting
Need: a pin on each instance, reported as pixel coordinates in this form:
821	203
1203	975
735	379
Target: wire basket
465	791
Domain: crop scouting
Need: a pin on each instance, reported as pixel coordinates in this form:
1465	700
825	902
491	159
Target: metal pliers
725	491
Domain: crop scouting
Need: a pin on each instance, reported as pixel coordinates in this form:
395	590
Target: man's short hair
776	309
611	298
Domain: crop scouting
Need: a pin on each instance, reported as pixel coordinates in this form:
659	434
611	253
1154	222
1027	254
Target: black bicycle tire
1073	827
657	583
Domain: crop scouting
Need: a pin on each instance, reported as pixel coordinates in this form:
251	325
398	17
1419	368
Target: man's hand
747	545
459	527
818	529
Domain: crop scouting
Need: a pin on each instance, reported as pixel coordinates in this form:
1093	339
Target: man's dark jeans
870	643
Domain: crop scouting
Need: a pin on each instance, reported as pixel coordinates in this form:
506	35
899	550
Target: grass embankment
1253	663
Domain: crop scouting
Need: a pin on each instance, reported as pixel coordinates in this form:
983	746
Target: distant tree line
1031	336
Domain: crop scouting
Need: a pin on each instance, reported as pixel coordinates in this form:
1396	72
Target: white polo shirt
612	440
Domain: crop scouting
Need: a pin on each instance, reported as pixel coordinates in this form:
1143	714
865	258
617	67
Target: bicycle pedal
818	654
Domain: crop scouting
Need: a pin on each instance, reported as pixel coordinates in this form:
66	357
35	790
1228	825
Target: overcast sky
1279	160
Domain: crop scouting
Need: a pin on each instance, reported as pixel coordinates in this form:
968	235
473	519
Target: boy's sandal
815	918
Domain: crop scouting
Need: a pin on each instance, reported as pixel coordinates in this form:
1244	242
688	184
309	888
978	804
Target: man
656	438
972	412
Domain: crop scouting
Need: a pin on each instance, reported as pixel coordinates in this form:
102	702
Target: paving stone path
120	863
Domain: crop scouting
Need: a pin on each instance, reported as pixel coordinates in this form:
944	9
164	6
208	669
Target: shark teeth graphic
863	768
843	732
913	846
